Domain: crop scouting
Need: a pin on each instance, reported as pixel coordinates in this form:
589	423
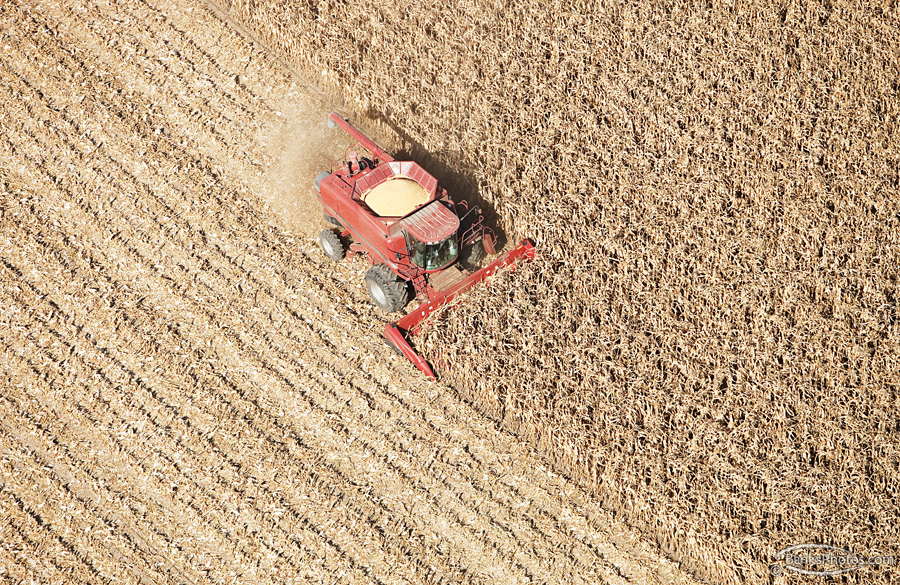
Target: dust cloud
301	146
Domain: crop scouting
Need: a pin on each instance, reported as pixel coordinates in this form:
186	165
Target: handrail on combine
397	333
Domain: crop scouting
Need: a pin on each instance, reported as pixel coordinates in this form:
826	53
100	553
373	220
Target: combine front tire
472	255
333	221
331	245
387	291
319	177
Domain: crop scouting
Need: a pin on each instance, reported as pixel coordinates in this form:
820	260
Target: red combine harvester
413	234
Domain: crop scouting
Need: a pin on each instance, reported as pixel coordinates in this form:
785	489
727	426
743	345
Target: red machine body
412	233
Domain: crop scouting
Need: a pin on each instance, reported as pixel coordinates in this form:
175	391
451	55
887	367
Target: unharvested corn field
709	341
190	392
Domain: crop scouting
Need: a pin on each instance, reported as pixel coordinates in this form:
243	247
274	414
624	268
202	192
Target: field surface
710	342
190	392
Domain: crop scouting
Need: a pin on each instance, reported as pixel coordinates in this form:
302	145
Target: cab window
432	256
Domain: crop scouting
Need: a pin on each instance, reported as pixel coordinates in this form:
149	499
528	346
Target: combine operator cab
419	242
431	256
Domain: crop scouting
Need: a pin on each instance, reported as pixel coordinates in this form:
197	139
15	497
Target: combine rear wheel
388	292
331	245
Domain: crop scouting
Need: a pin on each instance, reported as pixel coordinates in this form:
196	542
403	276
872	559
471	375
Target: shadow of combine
460	185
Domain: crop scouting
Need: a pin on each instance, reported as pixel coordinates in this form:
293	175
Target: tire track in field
220	131
31	477
27	526
82	493
131	127
145	136
159	73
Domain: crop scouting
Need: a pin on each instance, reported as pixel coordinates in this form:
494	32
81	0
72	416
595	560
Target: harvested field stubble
710	340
